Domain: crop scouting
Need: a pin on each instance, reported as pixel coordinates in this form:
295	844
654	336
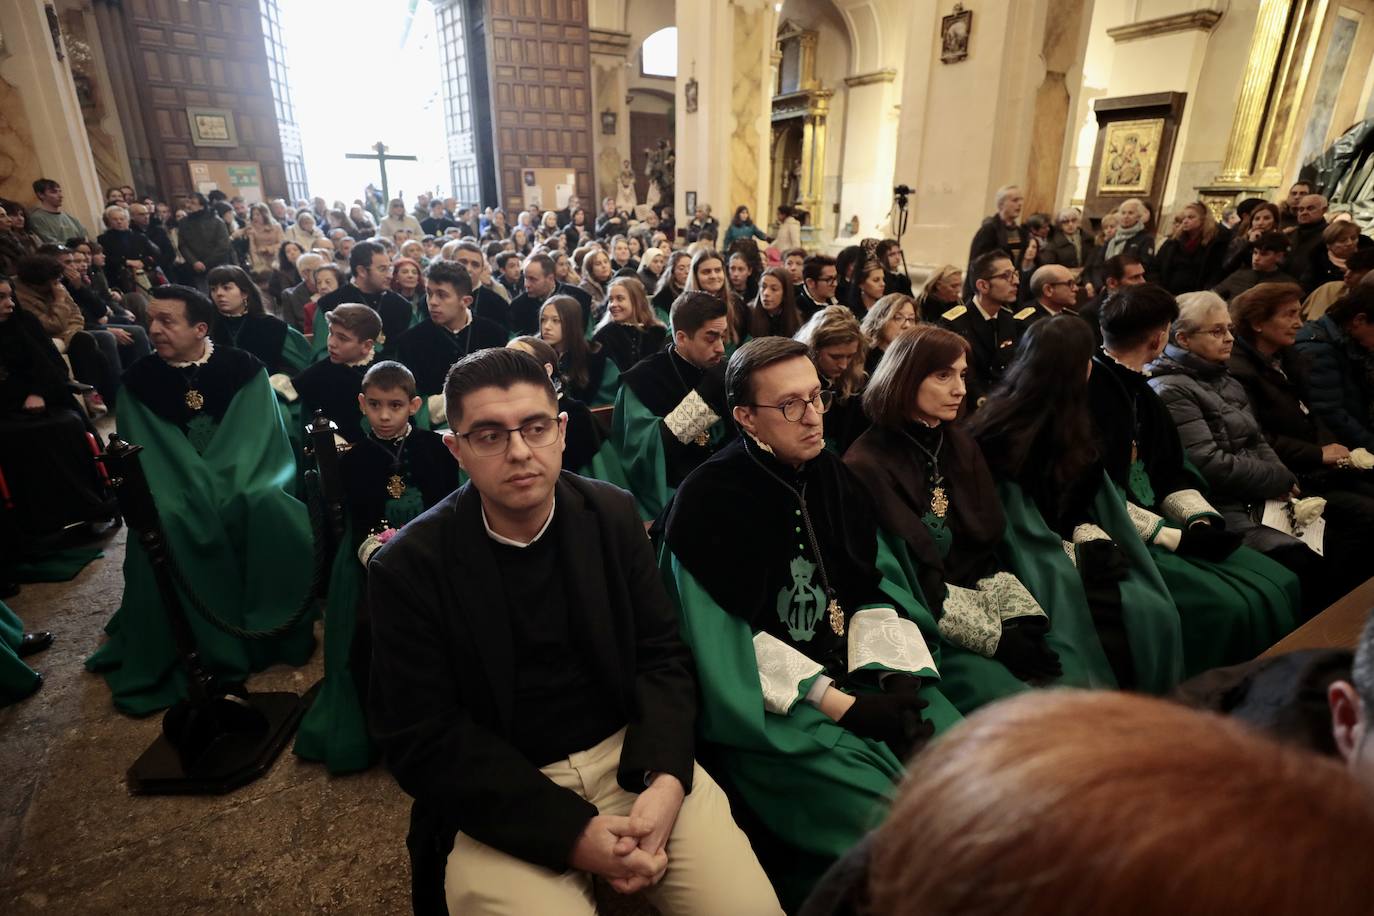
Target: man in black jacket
530	689
1000	232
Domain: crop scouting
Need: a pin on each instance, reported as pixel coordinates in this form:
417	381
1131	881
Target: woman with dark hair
707	274
890	316
845	262
1339	241
836	345
742	227
671	283
1191	259
577	233
889	255
629	331
866	288
1037	434
741	278
244	324
40	292
589	375
932	491
773	313
1263	218
285	276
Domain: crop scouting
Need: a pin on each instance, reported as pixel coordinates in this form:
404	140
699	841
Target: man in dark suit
987	323
529	686
1002	231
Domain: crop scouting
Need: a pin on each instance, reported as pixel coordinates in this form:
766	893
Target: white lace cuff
281	384
1008	597
969	622
781	672
1188	506
1089	532
690	419
1147	524
880	639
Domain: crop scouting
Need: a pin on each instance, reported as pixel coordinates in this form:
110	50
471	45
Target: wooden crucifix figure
382	157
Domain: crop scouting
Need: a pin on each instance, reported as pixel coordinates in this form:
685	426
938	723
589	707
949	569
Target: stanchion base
238	761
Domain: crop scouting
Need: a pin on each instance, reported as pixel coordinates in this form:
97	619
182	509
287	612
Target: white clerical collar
511	542
205	358
978	304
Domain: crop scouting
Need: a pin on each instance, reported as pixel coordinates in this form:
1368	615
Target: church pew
1337	627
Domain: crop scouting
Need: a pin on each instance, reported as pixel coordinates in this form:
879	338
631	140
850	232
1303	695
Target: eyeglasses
490	441
905	321
827	278
1221	331
1007	275
793	409
1062	283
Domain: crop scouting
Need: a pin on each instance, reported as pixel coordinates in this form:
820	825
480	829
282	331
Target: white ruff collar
209	351
366	359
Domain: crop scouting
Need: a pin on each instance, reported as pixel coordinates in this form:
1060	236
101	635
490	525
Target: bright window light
658	54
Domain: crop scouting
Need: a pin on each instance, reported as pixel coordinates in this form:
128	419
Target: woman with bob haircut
244	324
1114	619
932	491
672	282
773	313
629	331
587	373
835	343
1069	803
939	293
889	317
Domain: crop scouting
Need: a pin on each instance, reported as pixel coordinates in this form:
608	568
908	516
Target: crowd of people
873	509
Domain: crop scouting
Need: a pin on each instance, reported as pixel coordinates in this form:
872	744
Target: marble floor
74	841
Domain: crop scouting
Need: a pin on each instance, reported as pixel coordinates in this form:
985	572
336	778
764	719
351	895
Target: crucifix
382	157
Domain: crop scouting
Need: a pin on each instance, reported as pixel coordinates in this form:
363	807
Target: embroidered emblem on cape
690	419
200	430
801	604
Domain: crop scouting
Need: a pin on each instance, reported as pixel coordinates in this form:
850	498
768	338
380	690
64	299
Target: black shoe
34	643
34	689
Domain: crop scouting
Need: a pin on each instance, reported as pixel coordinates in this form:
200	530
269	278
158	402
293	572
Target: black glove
892	718
1100	562
1208	541
1023	650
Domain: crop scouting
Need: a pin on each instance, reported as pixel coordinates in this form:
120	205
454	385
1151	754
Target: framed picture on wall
954	34
691	202
1130	150
212	127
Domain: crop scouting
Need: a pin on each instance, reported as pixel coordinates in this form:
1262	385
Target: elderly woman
1131	235
306	234
933	491
1340	345
890	316
940	293
1339	241
836	345
1069	243
1220	434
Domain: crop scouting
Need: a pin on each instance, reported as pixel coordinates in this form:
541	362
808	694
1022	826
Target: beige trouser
712	870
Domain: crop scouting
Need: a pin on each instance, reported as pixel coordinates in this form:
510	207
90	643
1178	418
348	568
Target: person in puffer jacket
1340	345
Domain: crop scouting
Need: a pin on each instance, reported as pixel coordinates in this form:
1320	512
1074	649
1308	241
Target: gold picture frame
1130	152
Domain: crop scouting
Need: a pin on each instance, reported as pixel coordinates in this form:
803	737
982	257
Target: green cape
635	432
812	783
17	679
1035	554
238	534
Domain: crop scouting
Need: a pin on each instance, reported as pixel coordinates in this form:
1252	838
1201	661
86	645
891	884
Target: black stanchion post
220	737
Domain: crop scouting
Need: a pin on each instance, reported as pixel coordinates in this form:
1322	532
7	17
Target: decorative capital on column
1197	20
865	79
608	41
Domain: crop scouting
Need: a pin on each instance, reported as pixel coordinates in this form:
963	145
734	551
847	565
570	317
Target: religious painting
1129	153
691	202
690	93
212	127
954	33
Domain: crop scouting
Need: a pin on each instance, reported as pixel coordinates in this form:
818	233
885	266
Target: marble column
610	51
42	133
1060	49
724	61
